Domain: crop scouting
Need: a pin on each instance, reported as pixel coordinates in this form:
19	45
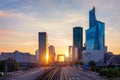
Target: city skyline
20	21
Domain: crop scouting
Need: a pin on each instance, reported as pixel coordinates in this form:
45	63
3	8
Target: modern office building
78	40
37	54
51	54
73	54
42	47
95	35
70	53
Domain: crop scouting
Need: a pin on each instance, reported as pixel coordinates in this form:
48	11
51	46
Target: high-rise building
70	53
78	40
73	54
37	54
42	47
51	54
95	34
105	49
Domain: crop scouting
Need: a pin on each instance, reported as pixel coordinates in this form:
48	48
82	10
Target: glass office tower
95	39
78	40
42	47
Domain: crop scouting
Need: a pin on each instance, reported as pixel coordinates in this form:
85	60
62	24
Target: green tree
92	63
12	65
2	66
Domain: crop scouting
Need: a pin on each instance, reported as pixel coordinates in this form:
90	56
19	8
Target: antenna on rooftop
93	3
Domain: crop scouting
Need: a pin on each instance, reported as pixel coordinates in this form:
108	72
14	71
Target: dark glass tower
42	47
78	40
95	34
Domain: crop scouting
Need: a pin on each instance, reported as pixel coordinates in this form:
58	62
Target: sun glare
67	55
61	59
47	57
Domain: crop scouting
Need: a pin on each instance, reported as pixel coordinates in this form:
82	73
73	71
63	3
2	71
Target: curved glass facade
95	34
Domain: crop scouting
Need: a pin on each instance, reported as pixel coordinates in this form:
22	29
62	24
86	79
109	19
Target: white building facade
19	57
95	55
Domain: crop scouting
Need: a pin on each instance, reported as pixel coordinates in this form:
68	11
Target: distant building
70	53
22	58
61	58
105	49
108	56
73	54
42	47
37	54
95	55
95	35
78	40
6	55
51	54
114	60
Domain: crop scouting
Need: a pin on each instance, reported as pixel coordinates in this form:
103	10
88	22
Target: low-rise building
96	55
23	59
6	55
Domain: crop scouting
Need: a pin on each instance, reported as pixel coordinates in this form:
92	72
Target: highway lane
53	74
56	73
69	73
75	74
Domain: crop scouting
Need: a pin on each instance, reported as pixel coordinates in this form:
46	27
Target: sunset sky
21	20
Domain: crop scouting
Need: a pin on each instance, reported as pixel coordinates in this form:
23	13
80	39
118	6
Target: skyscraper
51	54
42	47
70	53
73	54
95	34
78	40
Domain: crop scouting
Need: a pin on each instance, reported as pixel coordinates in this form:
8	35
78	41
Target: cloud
6	33
8	36
23	19
8	14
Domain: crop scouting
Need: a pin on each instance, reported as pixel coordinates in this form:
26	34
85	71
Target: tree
11	64
2	66
92	63
92	66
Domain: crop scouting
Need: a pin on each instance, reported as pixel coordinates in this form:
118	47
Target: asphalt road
69	73
56	73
